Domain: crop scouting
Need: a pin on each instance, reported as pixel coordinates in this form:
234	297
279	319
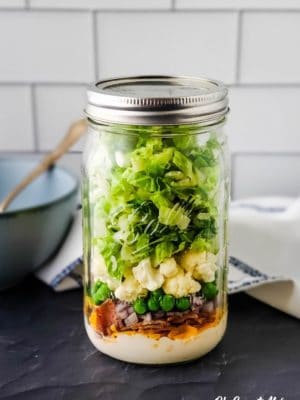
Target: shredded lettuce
162	201
162	251
173	216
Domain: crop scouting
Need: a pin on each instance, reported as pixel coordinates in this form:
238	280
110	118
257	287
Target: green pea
140	306
167	302
183	303
209	290
101	292
153	304
157	294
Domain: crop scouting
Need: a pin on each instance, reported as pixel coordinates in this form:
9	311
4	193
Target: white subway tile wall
266	175
16	122
271	43
264	119
56	108
167	43
46	46
12	3
50	49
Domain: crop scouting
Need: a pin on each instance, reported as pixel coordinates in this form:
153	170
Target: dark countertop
46	355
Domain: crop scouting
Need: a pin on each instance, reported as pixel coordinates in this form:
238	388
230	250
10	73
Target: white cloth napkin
265	233
264	239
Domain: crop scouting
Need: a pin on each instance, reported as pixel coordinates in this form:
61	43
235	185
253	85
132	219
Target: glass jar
155	199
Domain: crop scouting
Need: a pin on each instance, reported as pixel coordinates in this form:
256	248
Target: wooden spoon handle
76	130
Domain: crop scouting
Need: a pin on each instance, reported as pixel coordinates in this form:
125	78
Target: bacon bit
142	326
182	332
103	317
158	314
181	327
191	317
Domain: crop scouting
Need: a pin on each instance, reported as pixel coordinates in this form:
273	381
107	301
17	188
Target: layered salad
153	206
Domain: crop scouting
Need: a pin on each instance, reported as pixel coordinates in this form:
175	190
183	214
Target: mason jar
155	202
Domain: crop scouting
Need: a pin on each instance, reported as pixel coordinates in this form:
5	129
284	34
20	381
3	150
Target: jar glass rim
158	130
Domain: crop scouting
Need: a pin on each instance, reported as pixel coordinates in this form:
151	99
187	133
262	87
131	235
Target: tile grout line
238	56
33	152
41	83
145	10
163	10
95	45
34	116
155	10
266	85
233	154
274	153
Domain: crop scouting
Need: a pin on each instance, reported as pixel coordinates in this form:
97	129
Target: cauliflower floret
149	277
182	284
205	272
130	289
99	271
189	259
202	265
168	267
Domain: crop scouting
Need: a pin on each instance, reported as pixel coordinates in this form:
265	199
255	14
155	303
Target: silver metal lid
157	100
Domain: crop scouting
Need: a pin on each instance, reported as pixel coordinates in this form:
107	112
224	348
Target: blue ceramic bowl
34	225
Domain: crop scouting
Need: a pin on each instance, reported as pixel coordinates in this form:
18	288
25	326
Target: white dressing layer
139	348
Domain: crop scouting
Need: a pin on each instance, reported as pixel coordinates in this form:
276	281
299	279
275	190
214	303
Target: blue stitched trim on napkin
67	271
246	268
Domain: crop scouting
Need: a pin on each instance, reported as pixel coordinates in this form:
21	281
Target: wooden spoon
76	130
